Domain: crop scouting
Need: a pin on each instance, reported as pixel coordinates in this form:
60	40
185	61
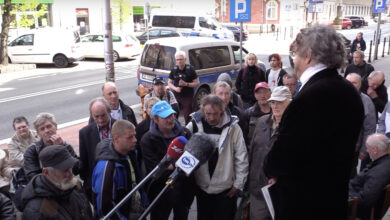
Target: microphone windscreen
200	146
176	147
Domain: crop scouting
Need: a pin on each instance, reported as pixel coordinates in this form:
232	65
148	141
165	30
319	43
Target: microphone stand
166	187
127	197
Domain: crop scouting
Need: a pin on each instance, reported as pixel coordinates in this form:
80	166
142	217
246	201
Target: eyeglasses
293	54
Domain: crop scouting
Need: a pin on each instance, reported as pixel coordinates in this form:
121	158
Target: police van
190	24
210	57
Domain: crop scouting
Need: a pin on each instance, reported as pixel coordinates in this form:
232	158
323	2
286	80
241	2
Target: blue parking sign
240	10
379	6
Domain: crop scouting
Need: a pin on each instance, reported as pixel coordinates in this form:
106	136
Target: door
21	50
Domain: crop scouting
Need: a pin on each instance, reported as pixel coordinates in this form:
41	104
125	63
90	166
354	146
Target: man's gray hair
355	75
222	84
180	53
101	100
376	73
149	100
378	140
360	53
325	45
212	100
290	76
42	117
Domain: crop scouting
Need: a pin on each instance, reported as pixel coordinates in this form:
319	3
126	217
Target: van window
76	36
236	52
25	40
173	21
116	38
158	57
209	57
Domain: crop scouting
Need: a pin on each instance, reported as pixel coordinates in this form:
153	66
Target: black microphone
197	151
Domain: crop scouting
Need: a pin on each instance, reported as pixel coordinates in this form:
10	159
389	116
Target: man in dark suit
311	160
90	136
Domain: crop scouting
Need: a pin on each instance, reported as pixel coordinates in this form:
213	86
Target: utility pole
108	48
377	38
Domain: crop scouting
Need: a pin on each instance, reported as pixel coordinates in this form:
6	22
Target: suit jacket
88	140
313	155
127	114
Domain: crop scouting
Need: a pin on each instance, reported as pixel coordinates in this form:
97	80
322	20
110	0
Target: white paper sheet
268	199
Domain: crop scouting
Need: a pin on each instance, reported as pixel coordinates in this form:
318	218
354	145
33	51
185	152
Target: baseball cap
57	156
162	109
280	94
157	80
261	85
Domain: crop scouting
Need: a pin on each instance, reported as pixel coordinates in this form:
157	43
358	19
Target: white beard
66	185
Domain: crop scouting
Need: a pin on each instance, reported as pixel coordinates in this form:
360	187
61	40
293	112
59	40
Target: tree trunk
7	17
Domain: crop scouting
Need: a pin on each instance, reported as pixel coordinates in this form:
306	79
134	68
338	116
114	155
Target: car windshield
158	57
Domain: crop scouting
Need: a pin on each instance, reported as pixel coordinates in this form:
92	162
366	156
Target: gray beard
65	186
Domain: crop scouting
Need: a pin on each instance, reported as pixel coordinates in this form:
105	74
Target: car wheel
349	27
202	92
116	56
60	61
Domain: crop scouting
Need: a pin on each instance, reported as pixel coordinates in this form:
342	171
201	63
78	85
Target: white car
125	46
46	45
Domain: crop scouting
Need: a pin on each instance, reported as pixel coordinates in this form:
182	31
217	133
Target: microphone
198	150
174	151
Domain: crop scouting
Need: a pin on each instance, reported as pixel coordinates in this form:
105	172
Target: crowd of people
302	132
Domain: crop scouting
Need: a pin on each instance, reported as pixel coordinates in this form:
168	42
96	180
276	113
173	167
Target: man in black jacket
359	66
369	184
163	129
312	157
374	87
46	126
55	193
90	136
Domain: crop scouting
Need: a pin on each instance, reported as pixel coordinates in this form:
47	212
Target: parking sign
240	10
379	6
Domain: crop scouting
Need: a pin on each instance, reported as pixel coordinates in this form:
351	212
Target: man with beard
55	193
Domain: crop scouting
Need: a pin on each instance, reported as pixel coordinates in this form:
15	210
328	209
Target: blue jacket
111	179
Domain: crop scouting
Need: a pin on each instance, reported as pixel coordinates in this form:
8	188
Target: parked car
210	57
236	31
357	21
158	33
46	45
384	19
347	45
124	45
346	23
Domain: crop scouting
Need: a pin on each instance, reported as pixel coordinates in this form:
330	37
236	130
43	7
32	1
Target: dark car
347	44
158	33
357	21
236	31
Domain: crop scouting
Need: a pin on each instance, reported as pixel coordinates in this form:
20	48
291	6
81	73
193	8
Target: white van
46	45
190	25
209	57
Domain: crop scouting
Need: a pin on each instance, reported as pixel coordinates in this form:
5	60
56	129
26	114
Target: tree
32	10
7	18
121	12
30	7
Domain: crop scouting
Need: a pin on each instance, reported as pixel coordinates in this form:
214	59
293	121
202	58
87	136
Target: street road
66	94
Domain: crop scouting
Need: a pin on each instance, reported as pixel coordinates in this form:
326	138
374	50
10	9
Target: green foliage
121	12
29	11
337	21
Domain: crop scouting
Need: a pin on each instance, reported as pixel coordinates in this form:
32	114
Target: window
159	57
165	33
25	40
236	52
272	10
173	21
88	38
152	33
98	38
209	57
116	38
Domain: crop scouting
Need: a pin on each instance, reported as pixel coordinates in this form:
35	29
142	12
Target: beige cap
280	94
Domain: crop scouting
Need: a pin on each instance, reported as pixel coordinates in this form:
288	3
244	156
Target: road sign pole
241	45
377	37
108	48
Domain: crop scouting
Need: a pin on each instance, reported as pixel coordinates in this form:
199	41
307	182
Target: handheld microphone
198	150
174	151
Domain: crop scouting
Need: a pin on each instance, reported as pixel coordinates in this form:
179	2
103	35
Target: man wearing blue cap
163	129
